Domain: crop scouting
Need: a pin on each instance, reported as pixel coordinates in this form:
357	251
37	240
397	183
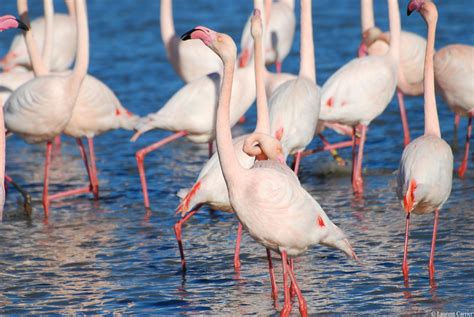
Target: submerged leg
237	247
463	167
140	157
433	244
358	182
272	275
47	164
93	168
177	231
405	250
286	289
302	302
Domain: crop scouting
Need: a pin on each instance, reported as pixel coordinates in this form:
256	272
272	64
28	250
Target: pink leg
177	232
47	163
140	156
237	248
358	183
211	148
93	168
292	286
278	66
340	161
328	147
354	156
297	162
403	115
286	289
302	302
433	244
457	119
463	167
57	142
272	275
405	250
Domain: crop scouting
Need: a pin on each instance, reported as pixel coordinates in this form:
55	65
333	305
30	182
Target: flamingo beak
411	7
187	35
281	159
22	25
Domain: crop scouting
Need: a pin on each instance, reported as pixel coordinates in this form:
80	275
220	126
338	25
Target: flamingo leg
178	232
328	147
272	275
403	115
210	148
340	161
24	193
297	162
354	151
433	244
287	299
278	66
237	248
463	167
47	163
57	142
457	119
292	286
140	157
93	169
405	250
301	301
358	182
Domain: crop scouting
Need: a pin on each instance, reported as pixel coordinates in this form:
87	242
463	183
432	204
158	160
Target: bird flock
44	98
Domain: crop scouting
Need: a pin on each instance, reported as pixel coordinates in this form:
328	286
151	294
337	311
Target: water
110	257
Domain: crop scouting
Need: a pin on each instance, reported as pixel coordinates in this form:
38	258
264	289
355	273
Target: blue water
110	256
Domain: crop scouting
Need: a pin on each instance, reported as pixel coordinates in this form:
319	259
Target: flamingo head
263	147
426	8
222	44
10	22
415	5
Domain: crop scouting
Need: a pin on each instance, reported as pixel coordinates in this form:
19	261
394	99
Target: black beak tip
409	11
22	25
187	35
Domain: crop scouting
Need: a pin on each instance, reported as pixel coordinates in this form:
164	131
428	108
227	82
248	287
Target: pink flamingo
454	75
294	106
6	22
190	113
63	46
268	198
426	168
210	188
40	109
410	73
281	25
191	60
361	90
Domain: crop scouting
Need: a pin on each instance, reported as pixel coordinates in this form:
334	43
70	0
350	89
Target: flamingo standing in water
410	72
191	60
426	168
294	106
361	90
64	42
268	199
40	109
210	188
6	22
280	30
190	113
454	75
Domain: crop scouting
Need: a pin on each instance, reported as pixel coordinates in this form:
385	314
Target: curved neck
35	57
268	9
431	114
395	29
263	118
307	63
166	22
82	57
231	167
71	8
48	38
367	14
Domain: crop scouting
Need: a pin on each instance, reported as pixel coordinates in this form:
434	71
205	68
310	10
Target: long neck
307	63
395	29
263	119
231	167
35	57
431	114
48	39
82	57
166	22
367	14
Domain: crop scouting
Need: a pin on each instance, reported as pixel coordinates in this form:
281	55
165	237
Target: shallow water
111	257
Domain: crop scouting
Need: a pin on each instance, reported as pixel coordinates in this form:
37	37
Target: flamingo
6	22
40	109
361	90
295	105
281	24
268	199
410	73
64	42
210	188
426	168
191	60
454	75
190	113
